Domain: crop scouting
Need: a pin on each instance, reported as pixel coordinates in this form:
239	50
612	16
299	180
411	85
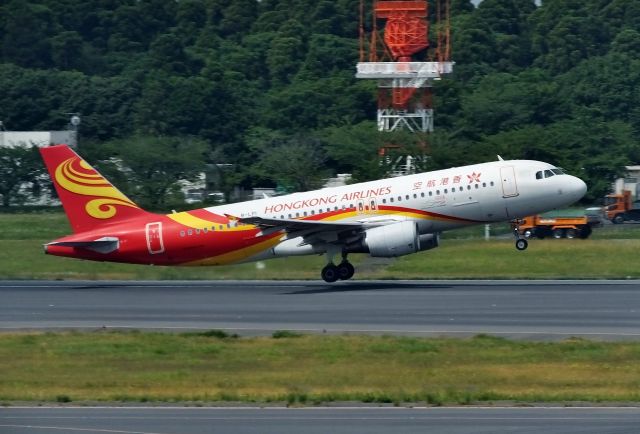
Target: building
631	182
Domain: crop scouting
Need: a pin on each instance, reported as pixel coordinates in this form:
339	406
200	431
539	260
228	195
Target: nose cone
577	188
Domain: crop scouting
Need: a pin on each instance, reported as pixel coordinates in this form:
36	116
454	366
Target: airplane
385	218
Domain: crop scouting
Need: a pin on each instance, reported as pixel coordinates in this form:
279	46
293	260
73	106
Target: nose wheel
521	243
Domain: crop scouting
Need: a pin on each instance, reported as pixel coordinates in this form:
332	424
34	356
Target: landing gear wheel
330	273
522	244
345	271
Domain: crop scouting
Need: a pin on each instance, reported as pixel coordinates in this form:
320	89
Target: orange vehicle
620	207
558	225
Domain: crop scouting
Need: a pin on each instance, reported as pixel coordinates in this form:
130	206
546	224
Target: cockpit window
549	173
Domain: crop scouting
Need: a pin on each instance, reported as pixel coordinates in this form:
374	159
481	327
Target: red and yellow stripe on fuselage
202	237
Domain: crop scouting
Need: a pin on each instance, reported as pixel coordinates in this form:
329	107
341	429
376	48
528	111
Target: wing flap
298	227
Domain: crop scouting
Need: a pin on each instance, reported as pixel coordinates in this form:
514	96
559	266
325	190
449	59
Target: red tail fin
89	200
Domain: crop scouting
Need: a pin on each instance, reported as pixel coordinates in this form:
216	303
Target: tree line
267	88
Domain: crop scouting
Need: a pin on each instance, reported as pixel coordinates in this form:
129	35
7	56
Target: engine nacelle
429	241
392	240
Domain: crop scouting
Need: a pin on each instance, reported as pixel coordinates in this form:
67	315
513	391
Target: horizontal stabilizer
101	245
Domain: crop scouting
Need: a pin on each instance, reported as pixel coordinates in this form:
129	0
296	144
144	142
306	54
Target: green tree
503	101
150	169
27	29
66	50
19	166
461	7
298	163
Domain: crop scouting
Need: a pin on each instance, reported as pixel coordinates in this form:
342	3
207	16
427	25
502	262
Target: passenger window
407	197
197	231
182	233
491	183
189	232
438	192
384	200
422	194
484	185
399	198
430	193
391	200
205	230
445	191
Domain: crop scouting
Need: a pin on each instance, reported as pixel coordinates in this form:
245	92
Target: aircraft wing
310	230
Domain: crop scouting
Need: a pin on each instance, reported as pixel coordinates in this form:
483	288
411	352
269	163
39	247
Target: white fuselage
437	201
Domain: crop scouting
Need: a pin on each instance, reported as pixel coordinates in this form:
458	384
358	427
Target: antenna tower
403	61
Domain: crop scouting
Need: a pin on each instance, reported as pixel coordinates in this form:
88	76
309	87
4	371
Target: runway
540	310
319	420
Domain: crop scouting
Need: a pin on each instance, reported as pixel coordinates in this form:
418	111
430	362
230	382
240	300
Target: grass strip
311	369
611	254
455	259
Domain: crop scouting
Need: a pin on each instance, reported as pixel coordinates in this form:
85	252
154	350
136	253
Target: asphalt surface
540	310
319	420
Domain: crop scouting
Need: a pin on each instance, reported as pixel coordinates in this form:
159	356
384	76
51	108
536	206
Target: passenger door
508	179
154	238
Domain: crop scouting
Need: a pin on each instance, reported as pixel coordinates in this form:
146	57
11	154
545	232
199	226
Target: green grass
135	366
612	252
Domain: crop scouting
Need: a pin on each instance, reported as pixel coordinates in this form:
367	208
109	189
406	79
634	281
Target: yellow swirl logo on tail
76	176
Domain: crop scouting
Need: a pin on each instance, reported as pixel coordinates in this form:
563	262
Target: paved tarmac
540	310
320	420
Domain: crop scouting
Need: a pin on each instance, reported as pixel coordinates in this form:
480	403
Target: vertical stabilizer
89	200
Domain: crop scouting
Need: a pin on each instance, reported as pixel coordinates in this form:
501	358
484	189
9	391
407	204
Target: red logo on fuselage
474	177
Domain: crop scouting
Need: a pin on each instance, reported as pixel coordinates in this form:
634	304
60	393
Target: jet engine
397	239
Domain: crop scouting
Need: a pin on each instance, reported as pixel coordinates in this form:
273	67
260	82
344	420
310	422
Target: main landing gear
343	271
521	243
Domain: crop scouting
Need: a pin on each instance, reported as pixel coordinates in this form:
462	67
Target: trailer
567	224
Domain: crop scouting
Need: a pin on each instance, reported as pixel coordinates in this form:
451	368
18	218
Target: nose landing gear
521	243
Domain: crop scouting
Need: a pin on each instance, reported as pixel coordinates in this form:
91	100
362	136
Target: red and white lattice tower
404	62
